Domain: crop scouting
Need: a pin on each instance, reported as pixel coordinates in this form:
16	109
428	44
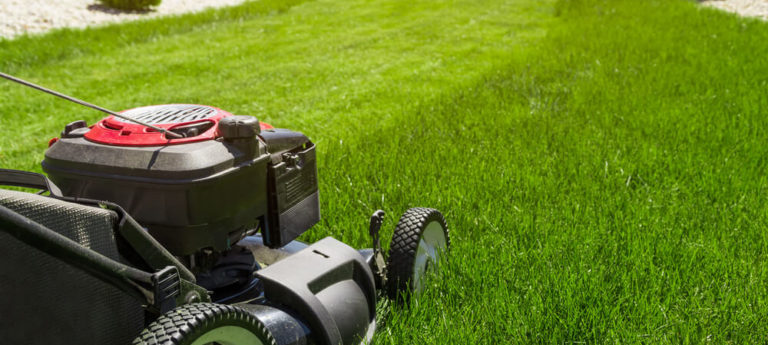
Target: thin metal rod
93	106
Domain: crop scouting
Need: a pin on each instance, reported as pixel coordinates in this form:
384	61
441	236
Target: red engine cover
202	118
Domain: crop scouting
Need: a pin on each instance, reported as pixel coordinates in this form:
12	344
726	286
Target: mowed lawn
602	164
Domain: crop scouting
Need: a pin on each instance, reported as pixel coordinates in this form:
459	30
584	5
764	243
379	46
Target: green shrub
130	4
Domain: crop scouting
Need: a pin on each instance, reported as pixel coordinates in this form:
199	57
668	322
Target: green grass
602	164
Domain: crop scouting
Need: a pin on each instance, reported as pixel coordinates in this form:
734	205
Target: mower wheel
206	323
421	237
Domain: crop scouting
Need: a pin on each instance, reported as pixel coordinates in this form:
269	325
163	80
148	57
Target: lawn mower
177	224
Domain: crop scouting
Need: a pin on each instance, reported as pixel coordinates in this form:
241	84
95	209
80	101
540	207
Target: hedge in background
131	4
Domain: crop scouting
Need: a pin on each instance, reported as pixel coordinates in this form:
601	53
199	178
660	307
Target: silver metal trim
169	113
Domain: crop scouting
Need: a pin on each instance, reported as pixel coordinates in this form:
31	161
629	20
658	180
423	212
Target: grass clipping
131	4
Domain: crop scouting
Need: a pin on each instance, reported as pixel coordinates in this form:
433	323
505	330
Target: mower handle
28	179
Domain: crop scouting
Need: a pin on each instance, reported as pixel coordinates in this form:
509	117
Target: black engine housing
205	194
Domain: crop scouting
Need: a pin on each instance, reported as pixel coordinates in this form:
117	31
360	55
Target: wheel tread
405	242
174	327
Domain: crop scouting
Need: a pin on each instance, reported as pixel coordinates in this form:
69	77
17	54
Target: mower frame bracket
166	286
378	261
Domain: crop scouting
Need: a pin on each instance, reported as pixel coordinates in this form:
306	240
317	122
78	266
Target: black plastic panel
329	285
294	200
190	196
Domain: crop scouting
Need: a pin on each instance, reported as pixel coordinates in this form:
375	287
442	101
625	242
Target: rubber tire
403	248
183	325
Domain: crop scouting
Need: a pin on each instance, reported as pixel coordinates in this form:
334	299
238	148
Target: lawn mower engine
226	177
